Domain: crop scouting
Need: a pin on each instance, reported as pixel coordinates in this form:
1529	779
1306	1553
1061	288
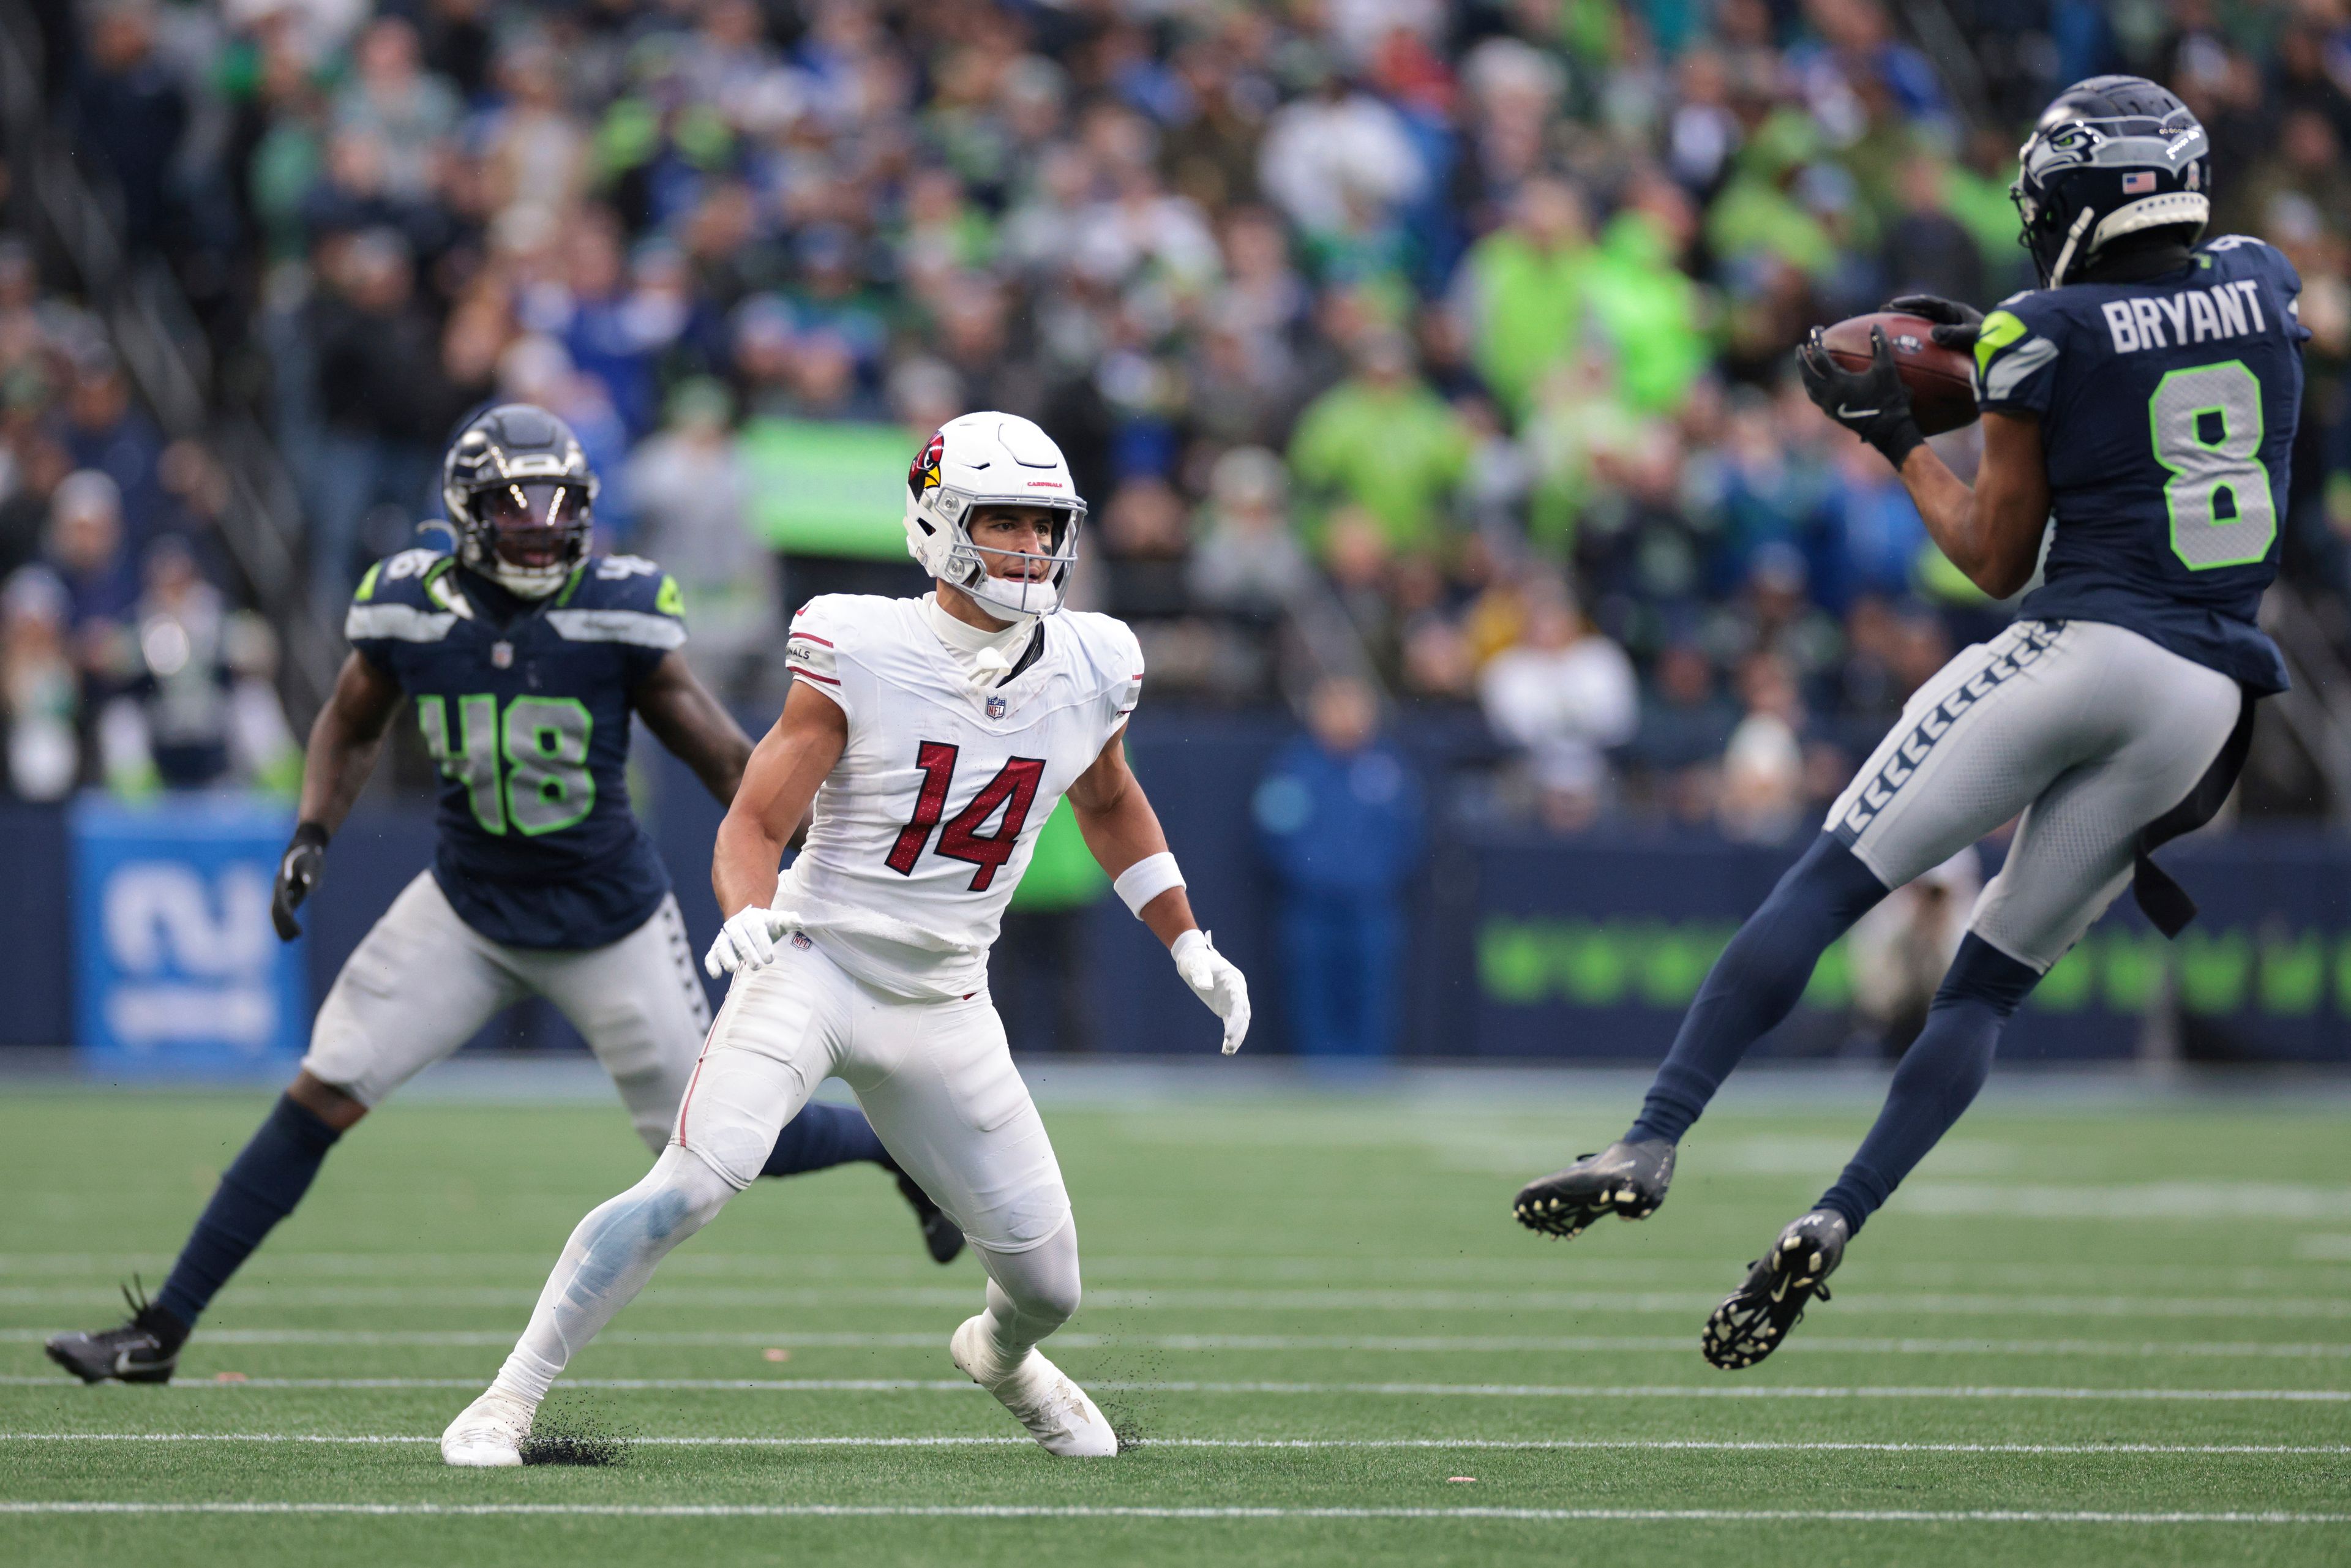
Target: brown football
1941	381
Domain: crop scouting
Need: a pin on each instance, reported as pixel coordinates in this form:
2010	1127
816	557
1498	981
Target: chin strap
2073	237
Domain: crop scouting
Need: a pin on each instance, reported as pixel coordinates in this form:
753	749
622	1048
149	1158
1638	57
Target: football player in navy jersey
2145	397
525	657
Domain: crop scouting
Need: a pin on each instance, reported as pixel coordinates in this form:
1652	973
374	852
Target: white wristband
1145	880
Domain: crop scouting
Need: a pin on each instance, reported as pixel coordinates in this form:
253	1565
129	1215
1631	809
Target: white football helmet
991	459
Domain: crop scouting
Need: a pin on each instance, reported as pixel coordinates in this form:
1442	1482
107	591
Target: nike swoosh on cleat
1844	412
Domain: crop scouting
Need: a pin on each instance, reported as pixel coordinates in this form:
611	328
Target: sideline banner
1581	950
176	969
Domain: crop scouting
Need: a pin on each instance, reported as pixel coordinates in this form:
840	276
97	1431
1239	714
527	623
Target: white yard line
1981	1304
1644	1444
1413	1390
1412	1344
892	1511
1539	1267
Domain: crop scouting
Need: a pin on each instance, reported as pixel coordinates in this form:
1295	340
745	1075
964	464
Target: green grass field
2082	1335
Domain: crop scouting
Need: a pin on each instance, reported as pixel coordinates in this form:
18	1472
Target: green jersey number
2206	425
542	742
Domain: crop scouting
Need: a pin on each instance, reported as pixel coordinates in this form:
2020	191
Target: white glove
747	941
1216	980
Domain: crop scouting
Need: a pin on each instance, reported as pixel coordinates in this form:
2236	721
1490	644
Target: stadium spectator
194	706
1339	814
1564	696
1509	292
130	112
39	685
87	549
1383	443
1763	797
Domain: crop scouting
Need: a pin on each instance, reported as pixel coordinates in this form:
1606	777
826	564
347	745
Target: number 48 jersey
525	705
2167	410
925	826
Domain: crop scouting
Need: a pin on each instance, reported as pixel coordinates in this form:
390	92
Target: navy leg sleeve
1938	1077
1756	982
257	1190
822	1136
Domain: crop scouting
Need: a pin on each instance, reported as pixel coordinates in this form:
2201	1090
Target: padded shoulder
1106	649
2017	348
405	598
619	598
1103	643
401	578
834	628
846	623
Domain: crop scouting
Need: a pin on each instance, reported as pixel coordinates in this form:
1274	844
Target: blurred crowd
122	660
1458	328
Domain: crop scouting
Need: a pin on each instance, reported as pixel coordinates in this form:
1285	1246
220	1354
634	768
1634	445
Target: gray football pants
2090	730
422	982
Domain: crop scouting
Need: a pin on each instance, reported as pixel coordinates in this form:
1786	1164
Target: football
1941	381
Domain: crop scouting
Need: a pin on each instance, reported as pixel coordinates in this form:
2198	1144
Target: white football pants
422	982
2090	730
936	1081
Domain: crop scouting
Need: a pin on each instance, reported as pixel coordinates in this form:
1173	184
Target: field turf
2087	1332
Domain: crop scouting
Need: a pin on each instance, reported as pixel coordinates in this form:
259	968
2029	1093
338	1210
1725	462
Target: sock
822	1136
257	1190
1756	982
1938	1076
607	1262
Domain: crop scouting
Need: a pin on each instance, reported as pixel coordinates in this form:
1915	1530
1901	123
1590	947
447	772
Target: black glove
298	876
1872	403
1956	325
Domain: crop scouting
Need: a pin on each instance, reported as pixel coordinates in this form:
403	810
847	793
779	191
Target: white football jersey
925	826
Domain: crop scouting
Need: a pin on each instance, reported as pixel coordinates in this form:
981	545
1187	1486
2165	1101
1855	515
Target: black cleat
1628	1180
144	1350
941	1238
1755	1318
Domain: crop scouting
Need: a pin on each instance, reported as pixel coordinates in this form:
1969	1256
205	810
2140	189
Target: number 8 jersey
2168	410
525	705
925	826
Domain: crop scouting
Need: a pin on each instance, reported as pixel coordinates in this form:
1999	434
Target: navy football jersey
525	708
2167	410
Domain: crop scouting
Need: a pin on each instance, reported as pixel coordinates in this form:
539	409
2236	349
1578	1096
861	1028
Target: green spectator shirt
1396	453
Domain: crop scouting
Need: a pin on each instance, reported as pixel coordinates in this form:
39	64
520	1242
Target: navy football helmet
2112	156
521	499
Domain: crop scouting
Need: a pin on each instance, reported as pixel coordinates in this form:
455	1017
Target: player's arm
697	729
1990	530
345	741
779	784
1123	833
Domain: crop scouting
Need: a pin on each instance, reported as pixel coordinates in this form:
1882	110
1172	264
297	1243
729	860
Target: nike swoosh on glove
1957	326
747	941
1216	980
1872	403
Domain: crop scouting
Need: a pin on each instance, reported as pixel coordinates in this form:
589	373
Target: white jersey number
1013	790
2206	425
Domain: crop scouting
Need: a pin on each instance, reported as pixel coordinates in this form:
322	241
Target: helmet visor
533	523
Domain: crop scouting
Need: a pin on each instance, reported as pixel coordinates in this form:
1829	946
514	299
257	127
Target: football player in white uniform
933	737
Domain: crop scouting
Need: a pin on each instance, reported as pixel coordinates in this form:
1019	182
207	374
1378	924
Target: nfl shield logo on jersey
994	707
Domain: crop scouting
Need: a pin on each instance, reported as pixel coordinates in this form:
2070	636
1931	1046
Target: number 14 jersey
2168	410
925	826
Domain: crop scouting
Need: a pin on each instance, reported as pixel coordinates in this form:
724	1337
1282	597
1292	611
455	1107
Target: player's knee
1981	974
336	1107
677	1197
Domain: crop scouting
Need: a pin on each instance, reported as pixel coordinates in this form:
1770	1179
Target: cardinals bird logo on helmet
990	459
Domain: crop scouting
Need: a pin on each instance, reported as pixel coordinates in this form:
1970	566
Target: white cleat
488	1432
1055	1410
